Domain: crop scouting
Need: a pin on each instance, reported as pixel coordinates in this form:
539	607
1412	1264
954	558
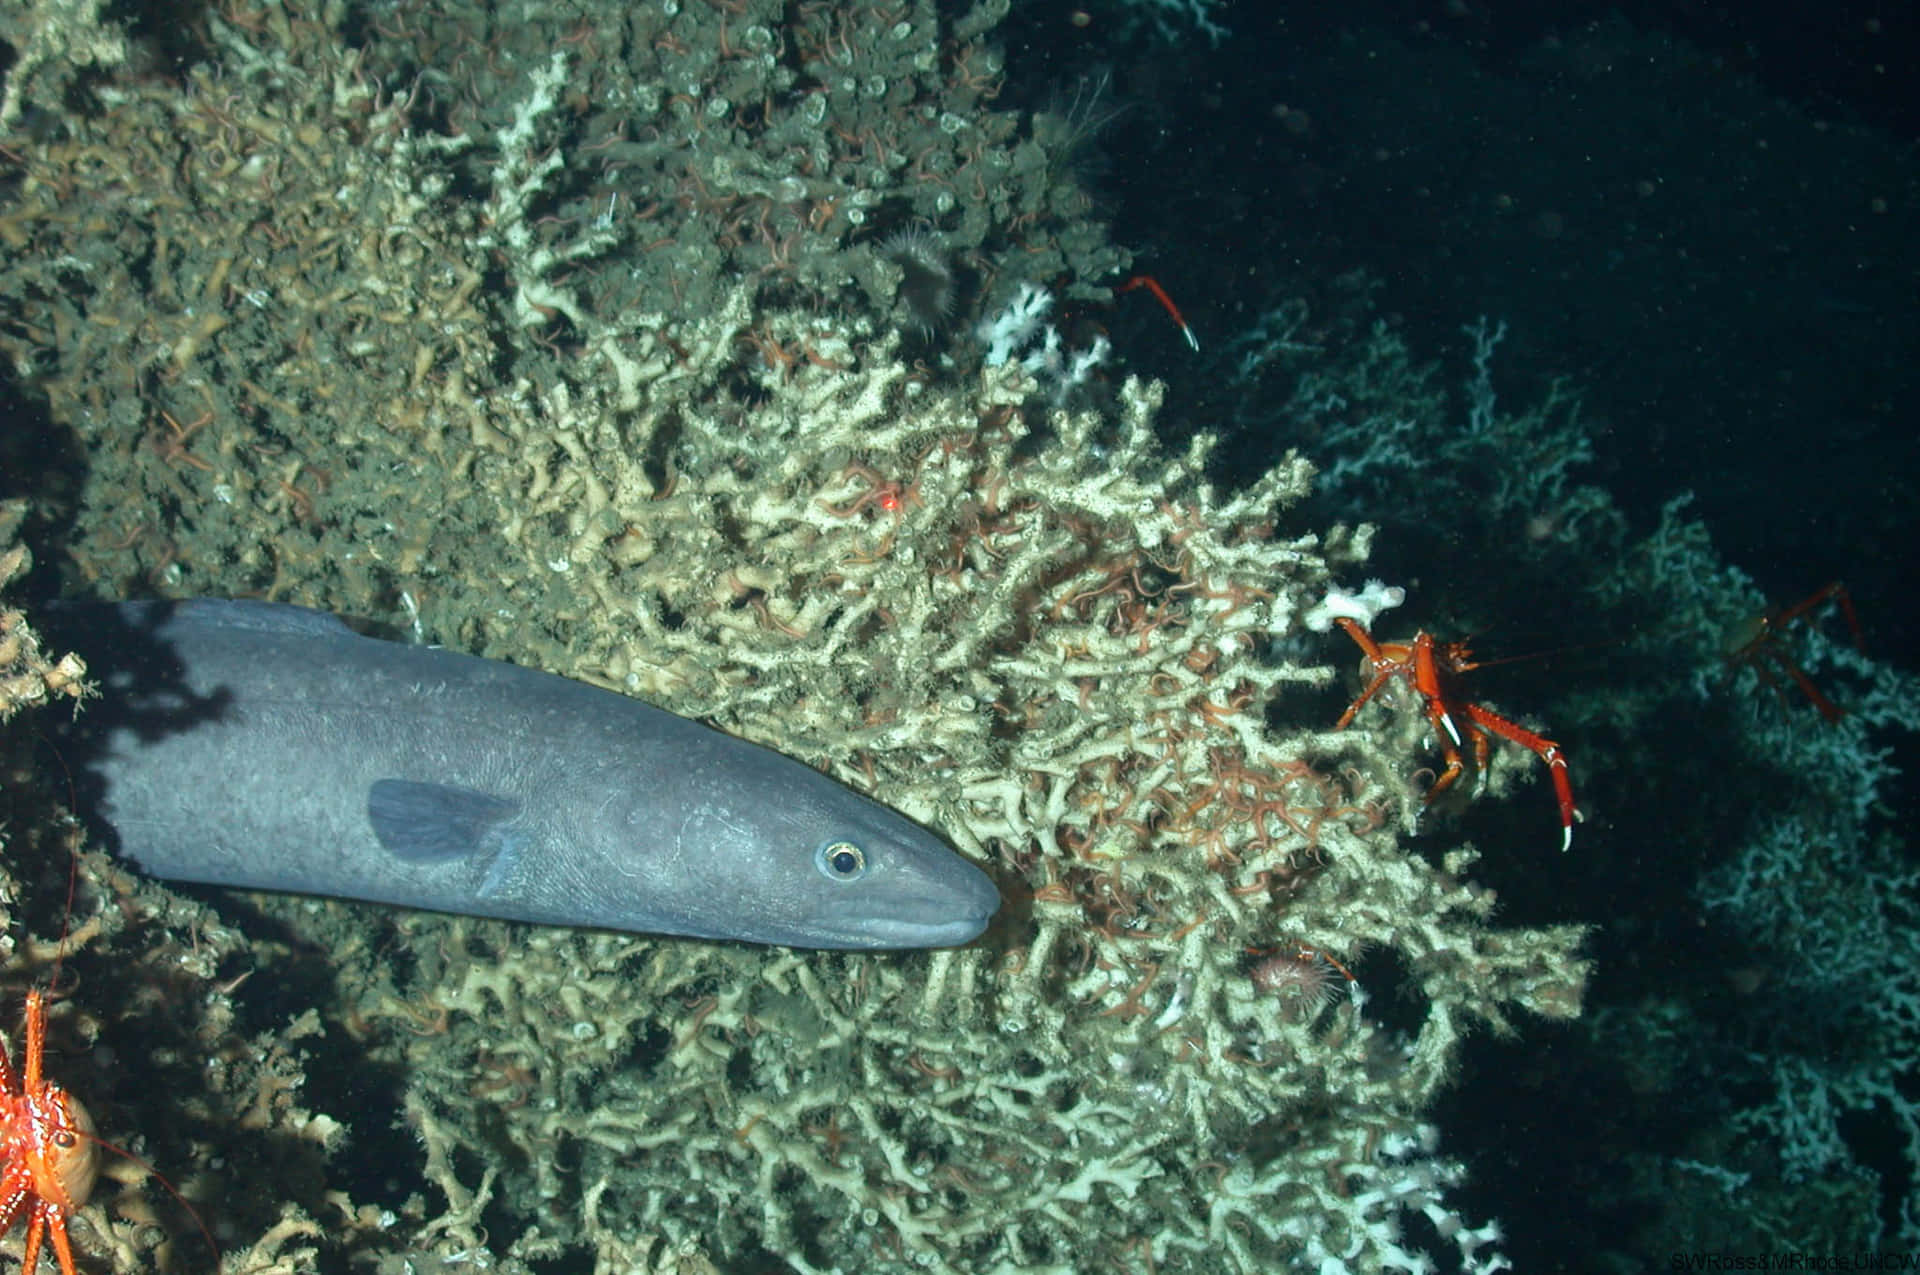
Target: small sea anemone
1301	979
926	276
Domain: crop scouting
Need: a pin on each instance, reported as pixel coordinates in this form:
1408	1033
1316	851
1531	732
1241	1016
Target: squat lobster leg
47	1147
1430	667
1545	749
1152	285
1756	643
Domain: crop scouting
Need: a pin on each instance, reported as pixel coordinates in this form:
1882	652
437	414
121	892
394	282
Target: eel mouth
954	913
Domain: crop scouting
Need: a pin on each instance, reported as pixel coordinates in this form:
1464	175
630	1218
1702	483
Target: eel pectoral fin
437	823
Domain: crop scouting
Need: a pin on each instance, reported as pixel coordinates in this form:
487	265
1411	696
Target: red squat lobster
47	1145
1430	668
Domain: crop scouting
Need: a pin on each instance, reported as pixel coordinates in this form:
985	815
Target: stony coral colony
600	368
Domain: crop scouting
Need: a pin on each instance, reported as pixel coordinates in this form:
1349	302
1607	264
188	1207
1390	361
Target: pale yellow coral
1039	632
51	39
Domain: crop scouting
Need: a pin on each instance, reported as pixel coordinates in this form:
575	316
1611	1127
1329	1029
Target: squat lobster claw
1429	668
48	1155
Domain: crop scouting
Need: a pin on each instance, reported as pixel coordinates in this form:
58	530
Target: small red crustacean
1431	668
50	1154
1755	643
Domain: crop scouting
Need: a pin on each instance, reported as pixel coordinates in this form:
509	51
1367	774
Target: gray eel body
271	747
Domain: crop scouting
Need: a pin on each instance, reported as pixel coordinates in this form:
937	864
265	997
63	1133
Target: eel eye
841	861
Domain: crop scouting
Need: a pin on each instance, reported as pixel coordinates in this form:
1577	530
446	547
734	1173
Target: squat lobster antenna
52	1151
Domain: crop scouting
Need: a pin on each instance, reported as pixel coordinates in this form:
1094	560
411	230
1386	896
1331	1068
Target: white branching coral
1363	606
